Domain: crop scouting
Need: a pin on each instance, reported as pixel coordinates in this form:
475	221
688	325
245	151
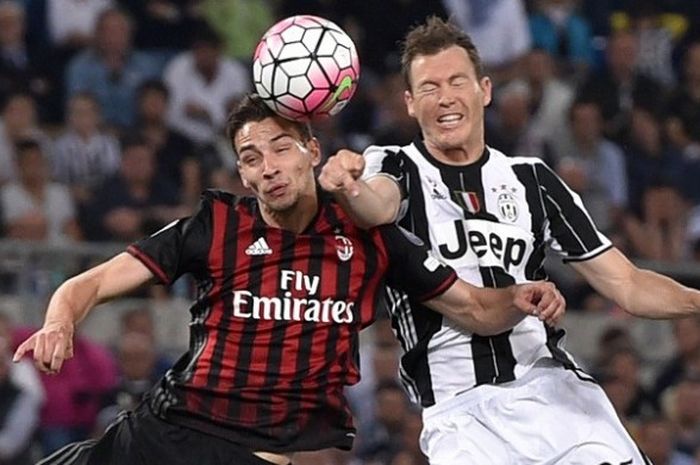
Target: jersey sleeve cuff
589	255
148	263
449	281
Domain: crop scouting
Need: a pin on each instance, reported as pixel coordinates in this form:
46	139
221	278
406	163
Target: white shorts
550	416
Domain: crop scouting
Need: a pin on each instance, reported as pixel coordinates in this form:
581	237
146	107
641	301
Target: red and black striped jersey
274	328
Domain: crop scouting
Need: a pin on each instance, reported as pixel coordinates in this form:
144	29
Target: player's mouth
450	120
276	190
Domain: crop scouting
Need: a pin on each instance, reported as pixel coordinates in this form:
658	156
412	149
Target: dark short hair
253	108
132	140
432	37
153	85
24	145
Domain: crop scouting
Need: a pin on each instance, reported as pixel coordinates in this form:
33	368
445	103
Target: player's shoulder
382	150
211	196
500	157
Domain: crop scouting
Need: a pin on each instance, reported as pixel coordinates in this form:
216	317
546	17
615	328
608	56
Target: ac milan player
285	281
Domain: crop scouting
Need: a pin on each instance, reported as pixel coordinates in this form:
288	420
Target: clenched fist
341	172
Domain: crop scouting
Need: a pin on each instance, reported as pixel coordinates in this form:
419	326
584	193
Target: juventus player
285	283
515	397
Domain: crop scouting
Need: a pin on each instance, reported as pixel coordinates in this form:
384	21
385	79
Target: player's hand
541	299
52	345
341	172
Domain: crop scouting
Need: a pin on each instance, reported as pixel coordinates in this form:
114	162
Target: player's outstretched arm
53	343
369	203
640	292
488	311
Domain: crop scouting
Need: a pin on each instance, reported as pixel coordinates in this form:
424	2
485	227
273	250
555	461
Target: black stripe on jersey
245	346
229	268
416	219
553	337
276	345
426	323
570	224
342	285
493	357
534	268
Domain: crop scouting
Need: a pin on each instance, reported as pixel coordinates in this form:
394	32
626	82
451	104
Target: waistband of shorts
483	392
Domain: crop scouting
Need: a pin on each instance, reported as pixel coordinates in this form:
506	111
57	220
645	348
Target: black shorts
141	438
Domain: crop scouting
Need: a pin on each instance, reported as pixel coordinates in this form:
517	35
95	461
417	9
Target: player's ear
486	87
408	98
314	147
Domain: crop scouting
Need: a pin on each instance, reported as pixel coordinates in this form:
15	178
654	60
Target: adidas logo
258	247
437	195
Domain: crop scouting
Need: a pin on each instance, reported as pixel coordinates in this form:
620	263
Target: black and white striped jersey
490	221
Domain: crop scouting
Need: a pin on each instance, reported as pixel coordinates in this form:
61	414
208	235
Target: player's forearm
72	300
482	311
368	208
651	295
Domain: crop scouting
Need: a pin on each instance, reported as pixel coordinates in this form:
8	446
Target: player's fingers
558	311
60	354
39	349
523	300
23	348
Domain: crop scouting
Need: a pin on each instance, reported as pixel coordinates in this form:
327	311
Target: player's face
448	99
275	163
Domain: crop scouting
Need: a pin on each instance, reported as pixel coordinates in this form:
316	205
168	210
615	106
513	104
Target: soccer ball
306	68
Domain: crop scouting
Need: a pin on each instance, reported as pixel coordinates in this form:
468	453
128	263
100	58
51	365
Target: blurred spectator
111	70
163	26
558	28
201	83
683	409
620	369
140	321
33	207
135	202
74	396
20	68
394	126
384	439
19	414
656	42
656	223
499	29
655	438
592	165
684	103
241	24
23	373
18	122
71	24
620	86
136	364
84	155
175	154
550	97
686	361
510	129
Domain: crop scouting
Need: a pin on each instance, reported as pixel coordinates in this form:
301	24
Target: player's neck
464	155
296	218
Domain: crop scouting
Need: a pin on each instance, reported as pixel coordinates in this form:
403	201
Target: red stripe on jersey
382	257
220	214
234	330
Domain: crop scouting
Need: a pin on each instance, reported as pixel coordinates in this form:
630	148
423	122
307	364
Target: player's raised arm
53	343
642	293
369	202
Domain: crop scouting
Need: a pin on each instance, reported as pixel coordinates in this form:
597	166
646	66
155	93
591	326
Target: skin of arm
368	203
488	312
73	300
639	292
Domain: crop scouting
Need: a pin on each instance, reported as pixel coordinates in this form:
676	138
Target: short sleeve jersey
274	328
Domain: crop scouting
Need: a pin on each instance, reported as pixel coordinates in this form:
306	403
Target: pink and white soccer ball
306	68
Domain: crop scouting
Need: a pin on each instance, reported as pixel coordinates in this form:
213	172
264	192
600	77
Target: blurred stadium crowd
111	116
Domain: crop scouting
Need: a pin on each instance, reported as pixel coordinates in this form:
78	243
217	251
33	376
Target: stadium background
104	110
